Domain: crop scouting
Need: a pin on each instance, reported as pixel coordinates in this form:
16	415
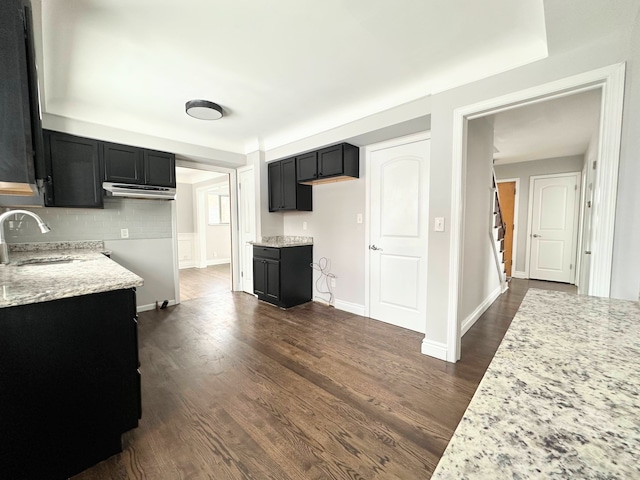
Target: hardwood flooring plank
234	388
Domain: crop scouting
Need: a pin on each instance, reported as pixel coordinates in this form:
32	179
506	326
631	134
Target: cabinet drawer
266	252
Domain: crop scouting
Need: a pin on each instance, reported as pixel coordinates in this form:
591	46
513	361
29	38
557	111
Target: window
218	208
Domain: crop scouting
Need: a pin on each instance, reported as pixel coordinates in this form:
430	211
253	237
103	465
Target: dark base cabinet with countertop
69	383
283	276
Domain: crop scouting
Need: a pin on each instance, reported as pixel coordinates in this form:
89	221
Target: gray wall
524	171
610	50
336	234
479	269
148	251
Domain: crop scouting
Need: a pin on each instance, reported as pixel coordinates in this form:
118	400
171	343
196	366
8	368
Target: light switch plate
359	218
439	224
304	225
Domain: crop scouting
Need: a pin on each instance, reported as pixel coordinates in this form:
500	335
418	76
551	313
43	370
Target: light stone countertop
78	272
561	398
283	241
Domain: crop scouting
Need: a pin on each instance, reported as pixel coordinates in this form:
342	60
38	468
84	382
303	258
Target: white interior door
247	222
554	215
398	233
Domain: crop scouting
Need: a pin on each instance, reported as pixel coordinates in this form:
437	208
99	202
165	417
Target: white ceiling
554	128
285	70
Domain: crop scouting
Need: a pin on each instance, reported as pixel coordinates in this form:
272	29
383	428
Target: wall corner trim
354	308
468	322
434	349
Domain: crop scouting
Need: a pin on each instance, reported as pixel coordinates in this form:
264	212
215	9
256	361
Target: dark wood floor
201	282
234	388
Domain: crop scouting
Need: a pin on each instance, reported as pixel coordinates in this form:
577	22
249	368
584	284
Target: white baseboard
218	261
354	308
468	322
517	274
152	306
187	264
434	349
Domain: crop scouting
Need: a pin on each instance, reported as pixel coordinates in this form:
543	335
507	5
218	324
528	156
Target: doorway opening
204	240
610	83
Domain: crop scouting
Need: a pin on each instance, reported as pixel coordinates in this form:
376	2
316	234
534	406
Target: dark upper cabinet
342	160
21	146
122	163
275	186
126	164
285	193
159	168
307	166
74	171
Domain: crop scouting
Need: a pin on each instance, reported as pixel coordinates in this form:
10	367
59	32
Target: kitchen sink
32	262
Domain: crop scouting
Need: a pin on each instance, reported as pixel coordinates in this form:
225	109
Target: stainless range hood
139	191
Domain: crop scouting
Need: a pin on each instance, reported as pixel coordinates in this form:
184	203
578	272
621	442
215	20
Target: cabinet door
259	276
289	184
159	168
273	279
123	163
275	186
307	166
73	165
330	161
16	141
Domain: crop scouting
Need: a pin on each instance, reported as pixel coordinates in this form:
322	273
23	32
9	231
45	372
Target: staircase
497	232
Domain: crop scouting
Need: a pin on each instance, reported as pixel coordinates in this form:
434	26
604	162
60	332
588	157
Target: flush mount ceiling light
203	109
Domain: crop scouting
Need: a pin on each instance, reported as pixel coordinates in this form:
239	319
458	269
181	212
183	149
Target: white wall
336	234
218	244
147	252
480	281
524	171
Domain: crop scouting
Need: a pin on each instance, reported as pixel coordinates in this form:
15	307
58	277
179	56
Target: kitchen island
70	385
560	399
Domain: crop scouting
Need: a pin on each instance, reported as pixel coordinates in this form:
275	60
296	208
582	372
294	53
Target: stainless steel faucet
4	248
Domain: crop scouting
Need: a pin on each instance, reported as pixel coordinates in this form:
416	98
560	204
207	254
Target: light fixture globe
203	110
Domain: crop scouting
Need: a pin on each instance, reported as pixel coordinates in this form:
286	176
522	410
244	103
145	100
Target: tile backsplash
143	218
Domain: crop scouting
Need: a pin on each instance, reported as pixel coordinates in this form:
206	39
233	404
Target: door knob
373	247
535	235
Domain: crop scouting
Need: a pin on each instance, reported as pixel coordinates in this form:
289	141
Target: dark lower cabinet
283	276
69	383
74	171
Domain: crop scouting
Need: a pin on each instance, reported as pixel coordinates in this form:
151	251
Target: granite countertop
283	241
561	398
40	275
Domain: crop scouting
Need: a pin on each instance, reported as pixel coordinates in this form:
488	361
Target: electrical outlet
304	225
333	282
215	254
124	233
359	218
